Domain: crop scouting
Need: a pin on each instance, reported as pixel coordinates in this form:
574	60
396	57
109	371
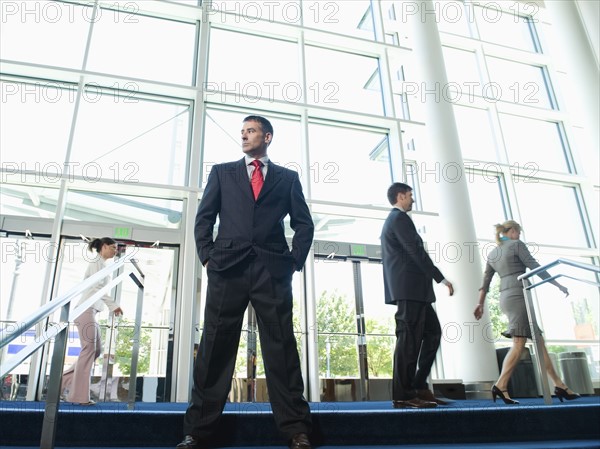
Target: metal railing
527	287
59	331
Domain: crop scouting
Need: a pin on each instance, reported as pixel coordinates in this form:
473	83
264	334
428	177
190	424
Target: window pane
336	319
275	78
452	17
343	80
250	11
517	83
29	201
397	60
339	228
47	108
45	32
23	266
593	213
341	176
487	203
123	210
504	28
572	318
415	93
379	316
540	223
142	47
589	161
130	138
475	133
159	269
463	75
352	18
223	142
533	144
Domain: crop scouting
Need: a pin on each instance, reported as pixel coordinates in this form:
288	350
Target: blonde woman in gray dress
510	260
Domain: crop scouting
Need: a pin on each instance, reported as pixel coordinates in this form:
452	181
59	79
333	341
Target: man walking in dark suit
250	261
408	272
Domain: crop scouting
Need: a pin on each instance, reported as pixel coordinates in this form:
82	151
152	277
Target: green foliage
380	349
241	365
498	319
124	346
337	353
557	349
335	314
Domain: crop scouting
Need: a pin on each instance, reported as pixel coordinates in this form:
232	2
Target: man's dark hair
264	123
395	189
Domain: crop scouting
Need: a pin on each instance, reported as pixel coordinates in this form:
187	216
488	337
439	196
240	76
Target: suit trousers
418	335
77	378
228	295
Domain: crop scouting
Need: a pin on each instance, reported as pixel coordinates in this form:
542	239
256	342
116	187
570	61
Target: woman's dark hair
97	244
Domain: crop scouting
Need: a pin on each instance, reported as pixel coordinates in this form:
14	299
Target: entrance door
355	326
21	271
111	371
355	335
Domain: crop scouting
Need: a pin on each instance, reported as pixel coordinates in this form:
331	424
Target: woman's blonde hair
503	228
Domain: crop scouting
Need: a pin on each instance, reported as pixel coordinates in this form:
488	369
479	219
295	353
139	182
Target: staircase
358	424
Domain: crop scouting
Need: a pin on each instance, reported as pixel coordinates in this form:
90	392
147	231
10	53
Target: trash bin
522	383
576	374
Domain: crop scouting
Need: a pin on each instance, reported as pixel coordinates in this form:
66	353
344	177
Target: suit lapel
274	173
241	179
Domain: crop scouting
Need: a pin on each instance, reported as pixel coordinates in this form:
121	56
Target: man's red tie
257	179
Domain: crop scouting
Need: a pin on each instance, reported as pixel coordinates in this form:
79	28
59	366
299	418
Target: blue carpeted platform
463	424
589	444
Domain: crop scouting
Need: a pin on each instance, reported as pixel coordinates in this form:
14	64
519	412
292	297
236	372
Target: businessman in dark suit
408	274
250	261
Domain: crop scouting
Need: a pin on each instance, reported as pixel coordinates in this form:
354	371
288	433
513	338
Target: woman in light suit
77	378
510	259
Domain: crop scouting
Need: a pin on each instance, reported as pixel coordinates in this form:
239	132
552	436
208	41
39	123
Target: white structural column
577	40
467	344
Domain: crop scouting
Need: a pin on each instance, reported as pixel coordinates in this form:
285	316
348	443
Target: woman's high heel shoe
563	393
498	392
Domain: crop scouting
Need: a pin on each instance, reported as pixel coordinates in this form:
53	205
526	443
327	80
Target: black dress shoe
427	395
414	403
189	442
300	441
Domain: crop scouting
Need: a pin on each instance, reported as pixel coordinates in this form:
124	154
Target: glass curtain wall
115	112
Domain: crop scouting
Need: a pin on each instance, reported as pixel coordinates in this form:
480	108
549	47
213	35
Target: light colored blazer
95	265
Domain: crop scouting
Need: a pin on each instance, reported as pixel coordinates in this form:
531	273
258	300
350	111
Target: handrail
584	266
44	312
59	331
47	309
527	287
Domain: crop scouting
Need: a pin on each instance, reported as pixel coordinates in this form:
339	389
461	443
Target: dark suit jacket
408	270
246	226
